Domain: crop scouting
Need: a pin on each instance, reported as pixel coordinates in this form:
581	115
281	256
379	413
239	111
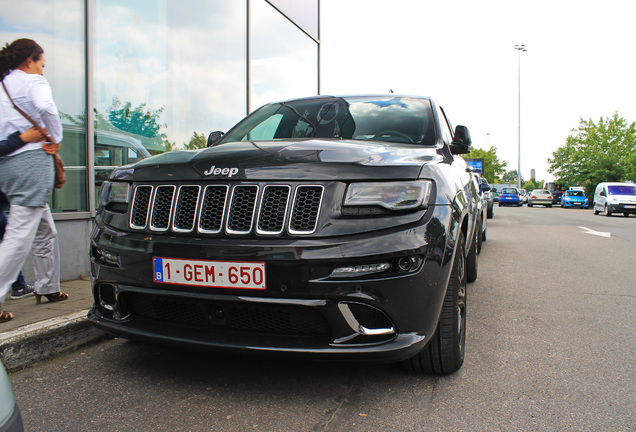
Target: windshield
575	193
393	119
621	190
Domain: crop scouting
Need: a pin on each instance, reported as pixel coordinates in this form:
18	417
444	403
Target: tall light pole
519	48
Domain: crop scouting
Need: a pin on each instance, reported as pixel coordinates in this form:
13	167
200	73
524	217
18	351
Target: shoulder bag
50	147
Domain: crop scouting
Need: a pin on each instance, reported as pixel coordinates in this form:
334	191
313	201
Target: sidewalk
40	332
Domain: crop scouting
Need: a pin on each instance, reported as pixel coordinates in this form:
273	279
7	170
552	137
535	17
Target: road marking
597	233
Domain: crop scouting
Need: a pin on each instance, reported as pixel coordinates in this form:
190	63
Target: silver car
10	417
540	197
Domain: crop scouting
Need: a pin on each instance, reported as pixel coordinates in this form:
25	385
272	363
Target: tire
490	213
472	260
480	235
484	237
529	204
606	211
549	206
595	211
444	354
626	214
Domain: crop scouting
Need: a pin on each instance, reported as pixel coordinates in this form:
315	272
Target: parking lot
551	330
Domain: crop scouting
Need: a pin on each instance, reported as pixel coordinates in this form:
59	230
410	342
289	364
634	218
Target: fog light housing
359	270
108	257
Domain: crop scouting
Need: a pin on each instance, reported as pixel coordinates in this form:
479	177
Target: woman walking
27	174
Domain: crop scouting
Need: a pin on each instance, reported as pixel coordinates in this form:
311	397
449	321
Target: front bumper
622	208
380	317
576	204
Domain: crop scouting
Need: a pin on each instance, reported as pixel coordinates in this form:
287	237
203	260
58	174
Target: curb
35	343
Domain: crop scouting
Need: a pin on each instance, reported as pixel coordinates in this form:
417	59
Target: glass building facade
133	78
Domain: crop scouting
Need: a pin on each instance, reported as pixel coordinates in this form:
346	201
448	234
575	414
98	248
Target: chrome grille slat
271	216
186	210
140	209
239	210
213	209
162	208
305	209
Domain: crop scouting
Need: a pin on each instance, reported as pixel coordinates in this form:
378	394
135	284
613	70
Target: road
551	347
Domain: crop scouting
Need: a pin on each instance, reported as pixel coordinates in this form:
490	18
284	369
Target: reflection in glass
166	70
61	34
284	61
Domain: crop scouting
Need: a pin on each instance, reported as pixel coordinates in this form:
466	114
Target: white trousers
30	229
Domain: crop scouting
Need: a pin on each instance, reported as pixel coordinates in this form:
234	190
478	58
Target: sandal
56	297
5	316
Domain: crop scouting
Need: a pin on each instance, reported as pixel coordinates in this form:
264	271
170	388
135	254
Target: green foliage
596	153
511	177
197	141
529	186
493	167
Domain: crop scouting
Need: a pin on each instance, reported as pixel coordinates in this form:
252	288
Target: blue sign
477	165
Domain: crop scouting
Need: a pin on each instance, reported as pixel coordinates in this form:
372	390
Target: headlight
114	192
390	195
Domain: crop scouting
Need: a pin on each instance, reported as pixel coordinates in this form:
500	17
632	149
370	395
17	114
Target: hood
317	160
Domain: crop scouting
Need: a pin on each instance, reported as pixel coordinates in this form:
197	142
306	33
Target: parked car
495	196
540	197
574	198
487	195
556	197
523	196
291	233
481	189
615	198
10	417
510	196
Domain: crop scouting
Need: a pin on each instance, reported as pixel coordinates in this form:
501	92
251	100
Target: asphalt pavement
39	332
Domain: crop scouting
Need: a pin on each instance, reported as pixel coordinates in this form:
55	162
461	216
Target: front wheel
607	212
444	354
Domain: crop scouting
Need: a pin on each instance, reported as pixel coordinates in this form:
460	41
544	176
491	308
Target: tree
197	141
493	167
529	185
511	177
596	153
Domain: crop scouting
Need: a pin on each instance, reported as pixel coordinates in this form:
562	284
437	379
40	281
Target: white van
615	198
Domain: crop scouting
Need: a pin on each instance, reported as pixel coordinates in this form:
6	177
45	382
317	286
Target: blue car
574	198
510	196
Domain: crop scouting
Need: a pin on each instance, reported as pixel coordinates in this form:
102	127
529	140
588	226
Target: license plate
630	206
577	203
214	274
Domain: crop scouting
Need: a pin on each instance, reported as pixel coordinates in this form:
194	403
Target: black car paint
298	267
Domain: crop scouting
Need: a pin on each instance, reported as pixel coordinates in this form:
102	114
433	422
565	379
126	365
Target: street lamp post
519	48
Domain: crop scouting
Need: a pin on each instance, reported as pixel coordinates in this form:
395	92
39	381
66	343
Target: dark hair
12	56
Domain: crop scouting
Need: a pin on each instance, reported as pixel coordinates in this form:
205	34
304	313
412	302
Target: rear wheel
444	354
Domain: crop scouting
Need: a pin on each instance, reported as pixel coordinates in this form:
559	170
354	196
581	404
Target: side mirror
461	141
484	187
214	138
603	193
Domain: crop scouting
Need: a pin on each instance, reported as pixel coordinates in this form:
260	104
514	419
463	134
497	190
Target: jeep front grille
236	210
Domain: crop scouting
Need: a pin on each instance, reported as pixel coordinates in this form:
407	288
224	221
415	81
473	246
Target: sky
580	63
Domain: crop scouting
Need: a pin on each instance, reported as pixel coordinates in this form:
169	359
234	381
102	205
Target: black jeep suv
336	227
